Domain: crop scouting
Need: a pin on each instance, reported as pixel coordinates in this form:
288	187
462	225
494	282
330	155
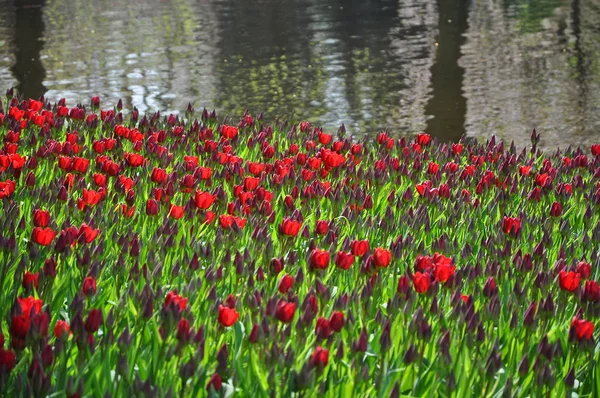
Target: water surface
446	67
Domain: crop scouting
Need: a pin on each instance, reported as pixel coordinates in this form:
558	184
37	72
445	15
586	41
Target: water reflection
500	67
447	103
534	65
28	43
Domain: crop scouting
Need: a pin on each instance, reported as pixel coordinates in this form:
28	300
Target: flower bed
154	255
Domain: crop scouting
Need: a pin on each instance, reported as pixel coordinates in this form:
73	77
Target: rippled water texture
446	67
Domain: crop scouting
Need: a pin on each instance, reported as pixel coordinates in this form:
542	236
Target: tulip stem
137	350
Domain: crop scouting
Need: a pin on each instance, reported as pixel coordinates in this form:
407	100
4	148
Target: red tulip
382	257
134	159
319	259
511	225
183	330
42	236
229	131
30	280
285	283
251	183
322	329
423	139
556	209
8	359
457	149
424	263
543	180
177	300
214	383
28	304
151	207
584	269
421	282
290	227
41	218
591	291
94	320
344	260
99	179
6	188
176	212
227	316
336	321
88	233
320	357
88	287
433	168
443	271
158	175
582	329
322	227
285	311
80	164
204	200
324	139
359	247
227	221
20	325
61	328
568	281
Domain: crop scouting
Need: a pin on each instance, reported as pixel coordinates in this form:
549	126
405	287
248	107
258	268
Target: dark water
446	67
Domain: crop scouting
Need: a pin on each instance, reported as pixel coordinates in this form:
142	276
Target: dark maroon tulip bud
125	340
199	337
493	362
340	351
424	330
30	181
480	333
395	391
50	268
410	355
362	343
368	203
385	340
514	321
444	344
47	356
253	337
529	316
433	309
276	265
570	378
545	349
548	305
222	358
539	250
37	377
490	289
62	194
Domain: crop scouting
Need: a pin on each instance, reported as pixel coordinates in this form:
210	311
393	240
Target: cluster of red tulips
163	255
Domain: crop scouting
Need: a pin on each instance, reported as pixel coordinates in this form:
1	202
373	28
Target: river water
449	68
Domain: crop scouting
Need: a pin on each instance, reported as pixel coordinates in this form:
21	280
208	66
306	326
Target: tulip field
186	255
